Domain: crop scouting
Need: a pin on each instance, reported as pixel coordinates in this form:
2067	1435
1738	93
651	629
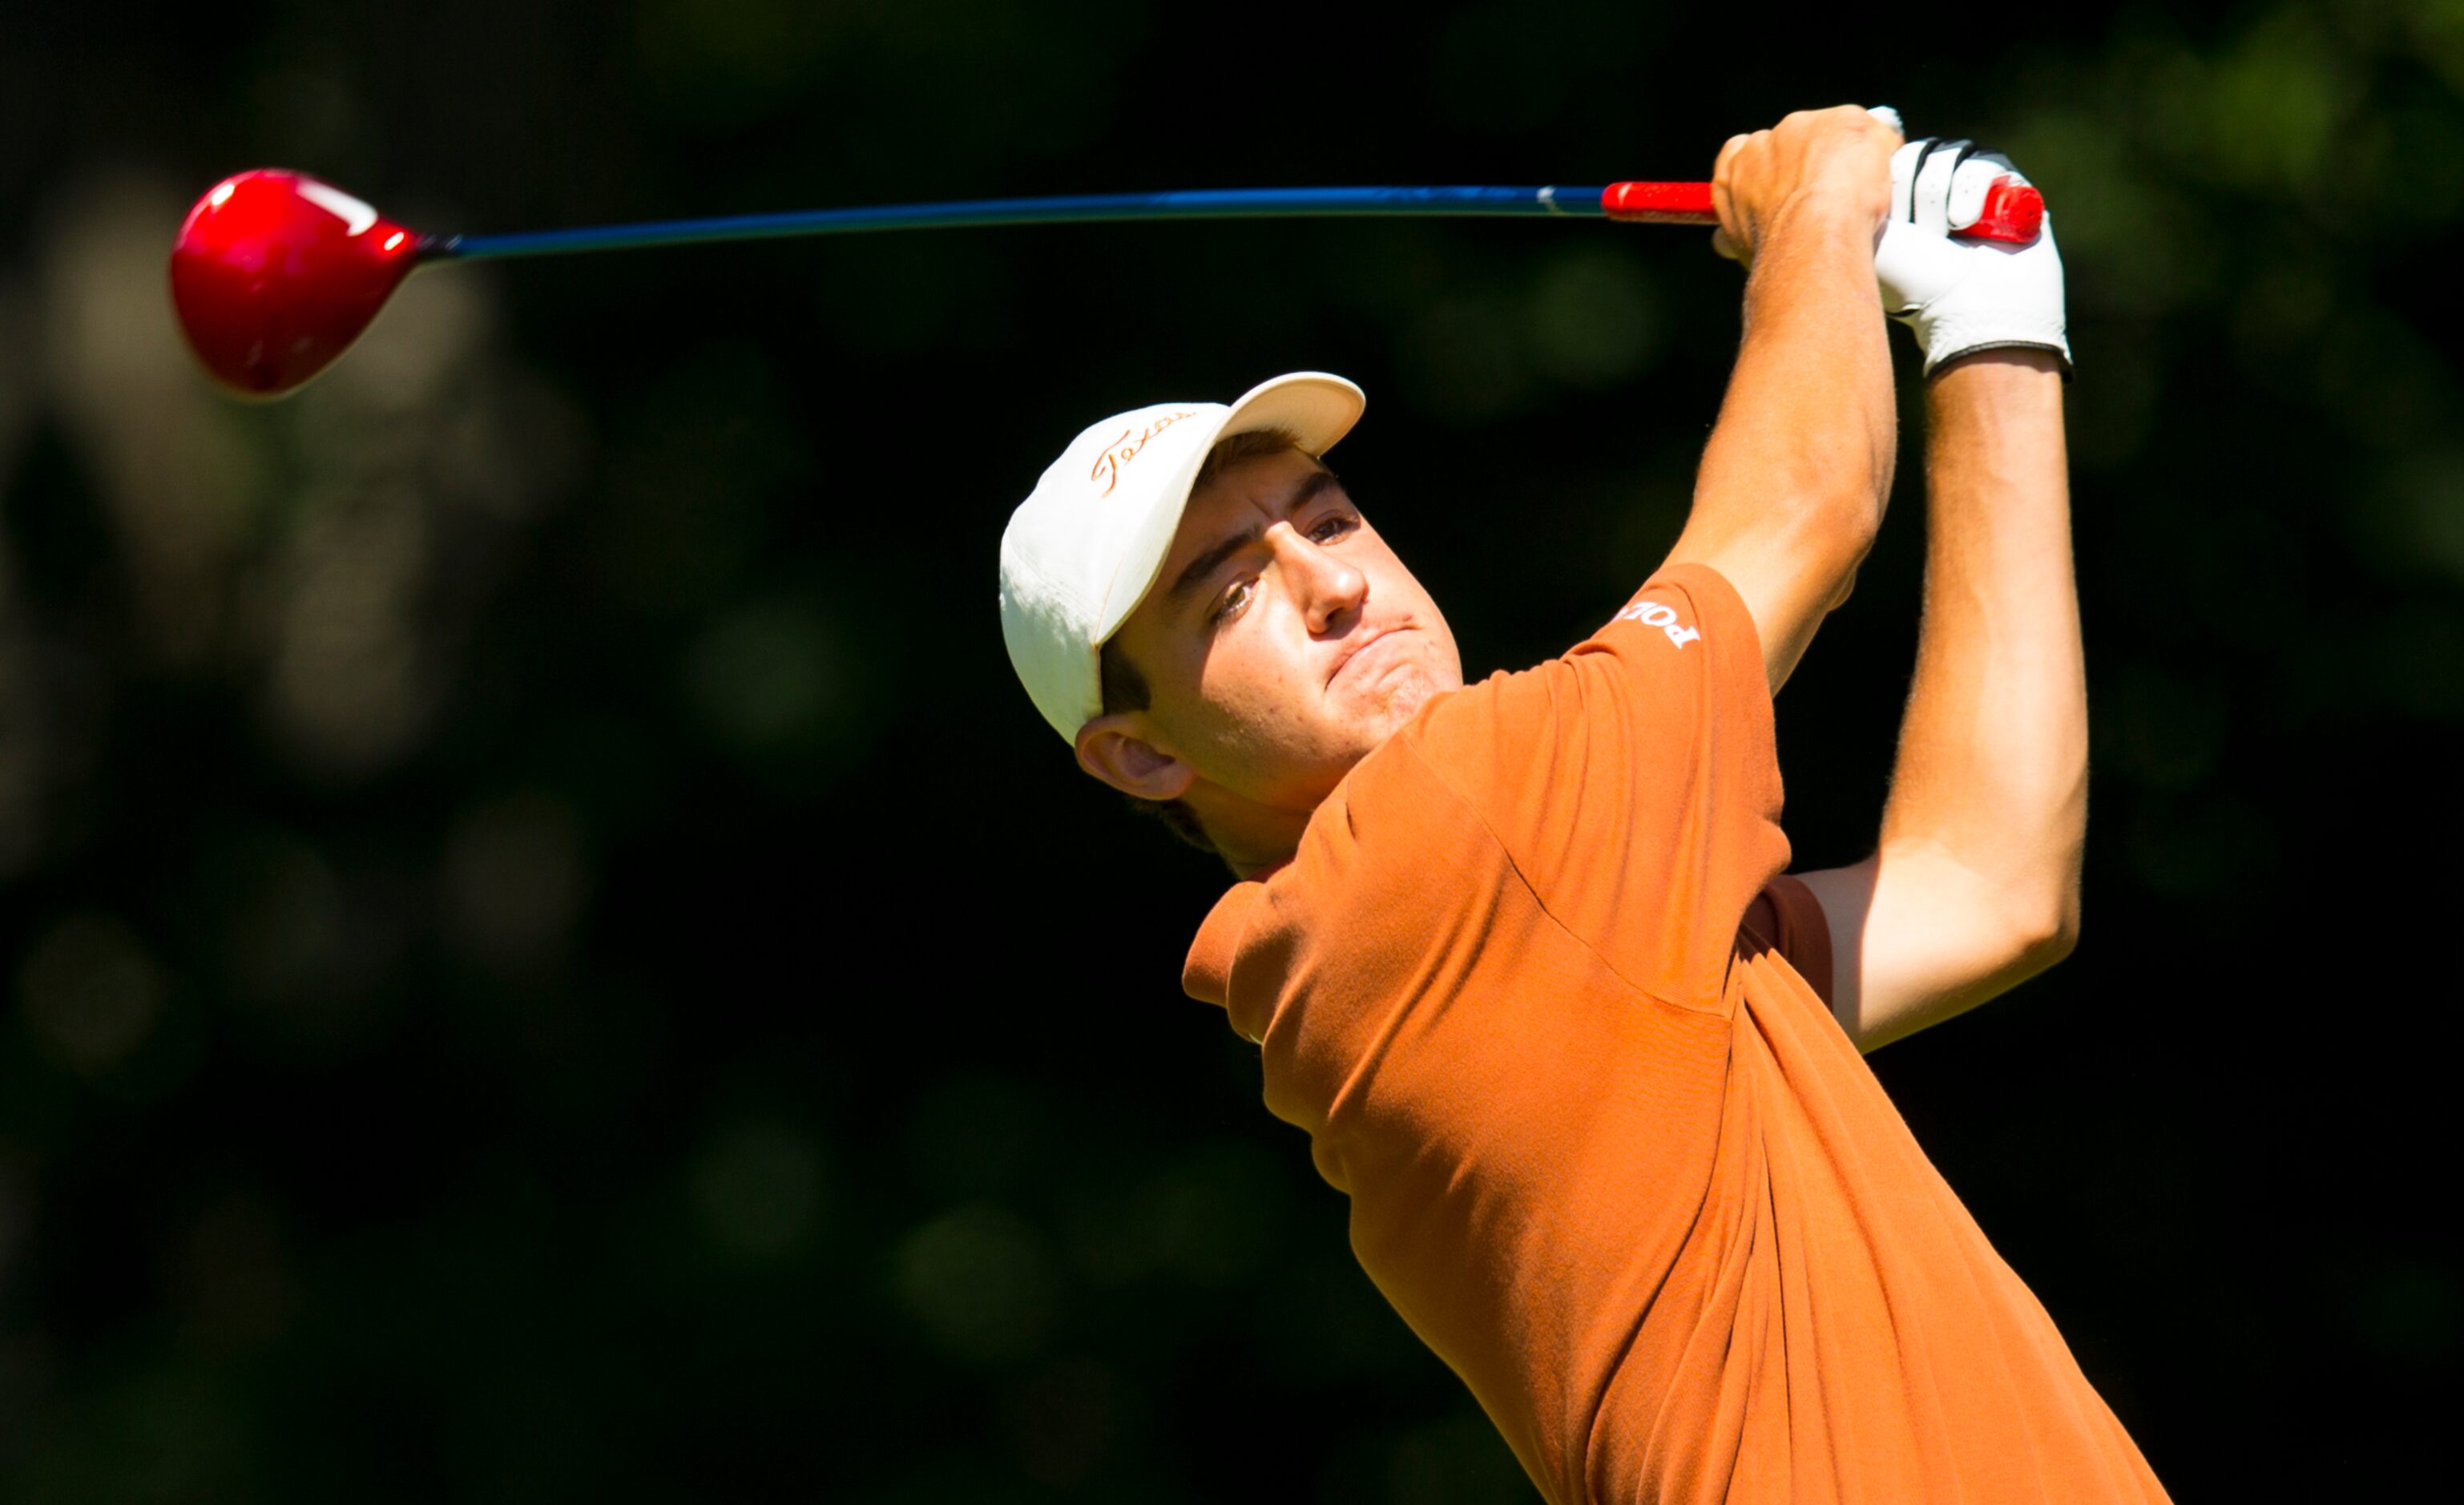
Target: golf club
276	272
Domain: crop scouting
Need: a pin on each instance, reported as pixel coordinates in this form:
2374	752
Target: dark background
547	958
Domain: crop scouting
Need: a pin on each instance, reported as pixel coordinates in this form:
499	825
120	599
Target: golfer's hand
1964	295
1832	163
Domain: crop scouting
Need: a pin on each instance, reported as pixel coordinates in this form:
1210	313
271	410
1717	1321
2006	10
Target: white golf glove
1964	295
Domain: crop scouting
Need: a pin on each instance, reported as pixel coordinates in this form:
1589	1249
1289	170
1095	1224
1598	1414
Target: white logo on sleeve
1651	613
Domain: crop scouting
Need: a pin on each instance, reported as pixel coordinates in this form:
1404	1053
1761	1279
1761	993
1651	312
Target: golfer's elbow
1832	530
1841	489
2047	945
2043	924
2034	878
2055	906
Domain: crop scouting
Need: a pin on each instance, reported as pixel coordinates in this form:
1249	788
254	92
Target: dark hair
1125	689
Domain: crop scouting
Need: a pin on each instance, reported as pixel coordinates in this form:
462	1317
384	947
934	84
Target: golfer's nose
1326	586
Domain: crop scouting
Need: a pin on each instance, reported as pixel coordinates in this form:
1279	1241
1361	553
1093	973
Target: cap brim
1315	409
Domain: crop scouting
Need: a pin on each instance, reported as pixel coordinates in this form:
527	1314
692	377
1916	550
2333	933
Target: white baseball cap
1084	550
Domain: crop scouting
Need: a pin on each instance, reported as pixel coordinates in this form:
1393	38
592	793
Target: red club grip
1660	203
2014	211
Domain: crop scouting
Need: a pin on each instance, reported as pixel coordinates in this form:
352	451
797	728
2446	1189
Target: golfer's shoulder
1391	864
1687	624
1641	678
1408	806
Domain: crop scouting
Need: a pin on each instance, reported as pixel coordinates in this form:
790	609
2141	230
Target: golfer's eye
1234	599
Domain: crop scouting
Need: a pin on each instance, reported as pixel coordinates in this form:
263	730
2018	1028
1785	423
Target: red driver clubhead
275	274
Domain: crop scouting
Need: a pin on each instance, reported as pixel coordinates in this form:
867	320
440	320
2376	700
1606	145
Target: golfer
1521	956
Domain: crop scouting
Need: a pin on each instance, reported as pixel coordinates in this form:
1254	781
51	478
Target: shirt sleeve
1634	782
1788	917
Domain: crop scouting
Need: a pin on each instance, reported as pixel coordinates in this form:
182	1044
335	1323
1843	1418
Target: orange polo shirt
1609	1153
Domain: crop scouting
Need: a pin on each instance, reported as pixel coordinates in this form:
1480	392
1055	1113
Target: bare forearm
1808	419
1992	761
1793	480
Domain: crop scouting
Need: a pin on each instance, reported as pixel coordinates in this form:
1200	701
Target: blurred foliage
547	958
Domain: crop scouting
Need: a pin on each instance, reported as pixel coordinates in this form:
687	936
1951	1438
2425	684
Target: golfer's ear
1110	748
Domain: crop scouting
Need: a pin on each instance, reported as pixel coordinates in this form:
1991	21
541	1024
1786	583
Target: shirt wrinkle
1681	1253
1515	865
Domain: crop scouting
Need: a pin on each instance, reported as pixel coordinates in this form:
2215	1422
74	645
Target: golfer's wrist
1827	222
2005	404
2000	374
1812	255
1813	219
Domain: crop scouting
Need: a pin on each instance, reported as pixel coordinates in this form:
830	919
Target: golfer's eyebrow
1208	562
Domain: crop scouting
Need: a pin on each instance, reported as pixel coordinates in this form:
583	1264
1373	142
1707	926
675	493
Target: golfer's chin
1372	710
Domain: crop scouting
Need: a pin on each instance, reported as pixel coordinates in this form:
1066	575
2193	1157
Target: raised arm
1974	887
1794	480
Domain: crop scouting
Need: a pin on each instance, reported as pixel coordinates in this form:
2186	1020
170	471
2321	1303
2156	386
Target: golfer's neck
1251	837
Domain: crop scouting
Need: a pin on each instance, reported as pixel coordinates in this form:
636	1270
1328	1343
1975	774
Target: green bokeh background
546	957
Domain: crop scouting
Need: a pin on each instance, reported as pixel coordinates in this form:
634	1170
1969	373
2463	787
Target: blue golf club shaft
1074	209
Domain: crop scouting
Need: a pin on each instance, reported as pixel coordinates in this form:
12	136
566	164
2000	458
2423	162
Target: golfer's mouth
1353	655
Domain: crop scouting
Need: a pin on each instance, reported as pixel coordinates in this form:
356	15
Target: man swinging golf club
1521	956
